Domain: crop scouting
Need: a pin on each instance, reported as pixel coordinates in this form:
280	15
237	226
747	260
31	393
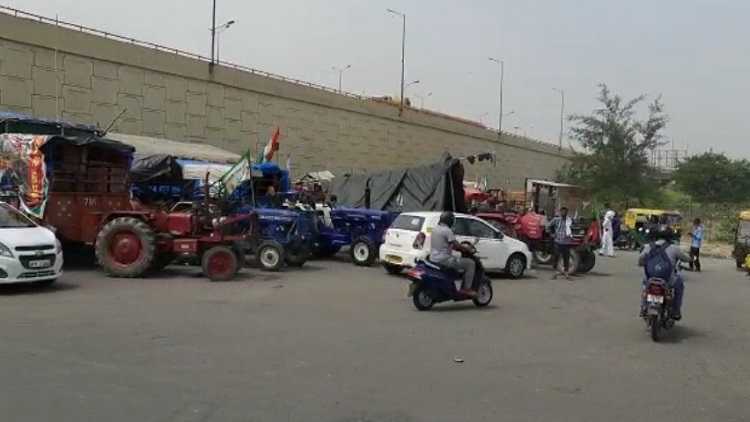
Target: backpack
658	264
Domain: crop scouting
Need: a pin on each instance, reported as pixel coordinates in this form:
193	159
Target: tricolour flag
272	146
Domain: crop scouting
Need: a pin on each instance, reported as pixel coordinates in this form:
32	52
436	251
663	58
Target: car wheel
516	266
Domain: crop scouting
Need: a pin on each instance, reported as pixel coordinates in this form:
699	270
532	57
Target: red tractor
74	180
132	243
528	225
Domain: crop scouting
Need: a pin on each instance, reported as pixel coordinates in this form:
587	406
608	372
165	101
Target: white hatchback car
29	253
408	240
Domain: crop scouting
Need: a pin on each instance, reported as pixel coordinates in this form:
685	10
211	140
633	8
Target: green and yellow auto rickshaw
637	220
742	239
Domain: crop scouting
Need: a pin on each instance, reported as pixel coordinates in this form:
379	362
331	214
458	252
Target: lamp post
341	71
403	56
500	63
422	97
405	88
562	115
217	31
213	33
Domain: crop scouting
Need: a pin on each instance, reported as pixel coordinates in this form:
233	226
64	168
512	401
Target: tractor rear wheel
220	263
125	247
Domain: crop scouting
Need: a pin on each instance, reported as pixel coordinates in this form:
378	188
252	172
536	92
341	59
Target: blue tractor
360	229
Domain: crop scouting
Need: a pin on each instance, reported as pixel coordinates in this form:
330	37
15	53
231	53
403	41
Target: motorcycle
432	283
659	296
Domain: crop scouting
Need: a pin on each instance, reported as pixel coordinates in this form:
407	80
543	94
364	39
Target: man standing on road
608	244
561	228
696	236
442	245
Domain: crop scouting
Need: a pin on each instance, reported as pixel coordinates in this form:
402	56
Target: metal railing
183	53
129	40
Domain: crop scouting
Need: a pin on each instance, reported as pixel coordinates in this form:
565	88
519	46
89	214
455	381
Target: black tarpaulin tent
432	187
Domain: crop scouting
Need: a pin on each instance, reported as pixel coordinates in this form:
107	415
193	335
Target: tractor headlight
5	251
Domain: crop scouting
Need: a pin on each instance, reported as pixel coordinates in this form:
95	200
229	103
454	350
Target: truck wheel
270	255
219	263
363	252
296	257
587	262
572	264
125	247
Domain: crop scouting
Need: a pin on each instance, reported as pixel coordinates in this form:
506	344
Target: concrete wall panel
178	98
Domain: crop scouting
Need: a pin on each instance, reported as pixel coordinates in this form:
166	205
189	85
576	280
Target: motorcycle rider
443	243
660	236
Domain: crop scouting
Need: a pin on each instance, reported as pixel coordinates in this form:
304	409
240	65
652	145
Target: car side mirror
499	235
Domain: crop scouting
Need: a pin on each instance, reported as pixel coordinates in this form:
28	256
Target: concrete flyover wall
51	71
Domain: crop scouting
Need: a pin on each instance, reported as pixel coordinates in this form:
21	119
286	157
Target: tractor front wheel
220	263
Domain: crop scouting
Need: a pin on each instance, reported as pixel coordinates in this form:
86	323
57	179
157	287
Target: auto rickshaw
637	220
742	239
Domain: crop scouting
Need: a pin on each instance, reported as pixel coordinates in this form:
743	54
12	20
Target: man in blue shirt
696	236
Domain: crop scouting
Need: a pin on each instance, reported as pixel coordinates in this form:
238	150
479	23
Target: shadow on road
680	333
462	306
34	289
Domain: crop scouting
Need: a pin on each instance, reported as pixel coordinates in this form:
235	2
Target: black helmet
447	218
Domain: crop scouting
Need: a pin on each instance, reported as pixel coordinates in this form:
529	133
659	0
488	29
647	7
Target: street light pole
341	74
216	31
562	116
213	32
501	63
403	57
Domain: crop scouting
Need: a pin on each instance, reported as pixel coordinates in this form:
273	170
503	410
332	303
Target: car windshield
12	218
408	222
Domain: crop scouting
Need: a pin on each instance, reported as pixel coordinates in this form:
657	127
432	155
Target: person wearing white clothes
608	242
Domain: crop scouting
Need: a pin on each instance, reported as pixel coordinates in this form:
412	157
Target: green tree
714	178
614	163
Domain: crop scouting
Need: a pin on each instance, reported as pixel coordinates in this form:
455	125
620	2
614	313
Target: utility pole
403	57
562	116
341	71
213	33
500	63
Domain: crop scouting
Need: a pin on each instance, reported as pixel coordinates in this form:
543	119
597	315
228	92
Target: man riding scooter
661	241
443	243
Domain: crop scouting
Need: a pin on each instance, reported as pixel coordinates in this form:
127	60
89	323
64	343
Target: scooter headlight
5	251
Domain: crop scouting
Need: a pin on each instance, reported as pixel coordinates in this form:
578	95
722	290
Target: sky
692	53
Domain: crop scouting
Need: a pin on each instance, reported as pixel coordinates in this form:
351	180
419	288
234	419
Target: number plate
40	263
655	299
393	259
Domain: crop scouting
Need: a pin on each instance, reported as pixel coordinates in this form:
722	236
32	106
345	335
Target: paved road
337	343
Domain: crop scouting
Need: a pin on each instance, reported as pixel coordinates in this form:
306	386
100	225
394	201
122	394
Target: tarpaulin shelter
432	187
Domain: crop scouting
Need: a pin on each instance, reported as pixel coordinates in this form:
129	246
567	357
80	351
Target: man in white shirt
608	242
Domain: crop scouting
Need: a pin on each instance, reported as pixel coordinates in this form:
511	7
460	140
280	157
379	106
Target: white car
29	253
408	240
